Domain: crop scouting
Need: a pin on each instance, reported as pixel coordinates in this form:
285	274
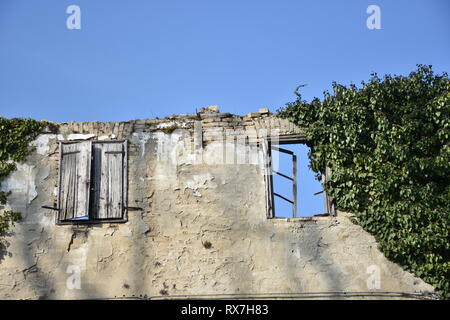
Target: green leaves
388	144
7	218
15	136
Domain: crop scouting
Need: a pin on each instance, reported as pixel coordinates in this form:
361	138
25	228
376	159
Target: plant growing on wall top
15	136
388	145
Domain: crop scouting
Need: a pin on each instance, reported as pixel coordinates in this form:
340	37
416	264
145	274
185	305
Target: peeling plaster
199	181
42	142
21	183
142	138
169	147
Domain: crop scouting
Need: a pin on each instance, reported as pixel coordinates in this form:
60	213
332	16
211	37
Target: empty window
92	182
292	187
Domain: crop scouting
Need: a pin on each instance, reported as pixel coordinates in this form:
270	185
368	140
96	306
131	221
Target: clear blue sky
308	204
146	59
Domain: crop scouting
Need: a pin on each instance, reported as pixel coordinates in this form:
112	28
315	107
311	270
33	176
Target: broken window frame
329	206
124	188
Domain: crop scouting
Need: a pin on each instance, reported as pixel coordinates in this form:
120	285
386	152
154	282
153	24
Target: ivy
15	136
388	145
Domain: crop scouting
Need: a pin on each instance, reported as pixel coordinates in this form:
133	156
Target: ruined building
178	207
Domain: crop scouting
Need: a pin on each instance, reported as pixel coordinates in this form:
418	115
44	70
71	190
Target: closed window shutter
74	186
108	191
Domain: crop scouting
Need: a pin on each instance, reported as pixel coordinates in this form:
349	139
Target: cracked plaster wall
185	201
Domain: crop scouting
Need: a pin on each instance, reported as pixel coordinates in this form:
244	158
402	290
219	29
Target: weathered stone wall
191	192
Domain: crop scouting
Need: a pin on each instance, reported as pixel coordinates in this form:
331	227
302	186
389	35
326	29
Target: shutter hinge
134	208
51	208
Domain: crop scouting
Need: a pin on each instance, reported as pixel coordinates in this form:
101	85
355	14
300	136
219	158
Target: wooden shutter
74	184
109	178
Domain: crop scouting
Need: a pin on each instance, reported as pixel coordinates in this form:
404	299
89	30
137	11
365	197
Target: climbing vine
388	145
15	136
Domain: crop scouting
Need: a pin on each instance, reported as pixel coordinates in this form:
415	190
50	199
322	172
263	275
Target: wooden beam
282	150
283	175
279	195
